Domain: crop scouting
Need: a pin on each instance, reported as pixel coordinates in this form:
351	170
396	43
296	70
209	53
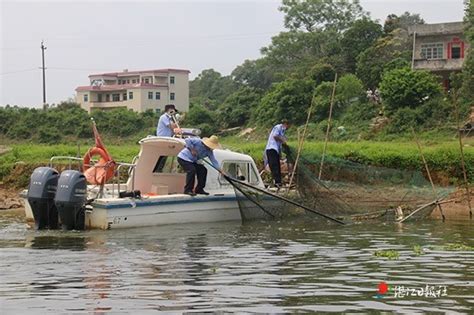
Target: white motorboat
151	195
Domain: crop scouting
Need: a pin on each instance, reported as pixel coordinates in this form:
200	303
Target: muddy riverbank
9	199
456	209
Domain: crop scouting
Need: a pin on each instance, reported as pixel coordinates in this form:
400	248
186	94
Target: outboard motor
71	199
41	192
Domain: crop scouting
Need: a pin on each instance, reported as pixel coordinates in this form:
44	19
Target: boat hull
127	213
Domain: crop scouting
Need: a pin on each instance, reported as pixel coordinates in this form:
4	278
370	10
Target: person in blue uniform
273	149
196	149
167	126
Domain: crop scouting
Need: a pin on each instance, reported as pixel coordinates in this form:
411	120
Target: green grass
40	154
442	155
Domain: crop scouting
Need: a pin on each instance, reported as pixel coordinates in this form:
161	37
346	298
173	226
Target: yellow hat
212	142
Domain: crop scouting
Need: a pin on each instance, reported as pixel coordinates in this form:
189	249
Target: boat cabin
157	171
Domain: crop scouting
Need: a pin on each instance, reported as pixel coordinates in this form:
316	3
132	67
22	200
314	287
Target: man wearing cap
196	149
273	149
167	126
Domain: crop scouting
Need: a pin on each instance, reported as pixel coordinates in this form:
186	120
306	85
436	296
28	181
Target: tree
408	88
237	108
372	62
321	72
288	99
254	73
197	114
314	32
360	36
202	118
297	51
210	84
403	21
318	15
349	89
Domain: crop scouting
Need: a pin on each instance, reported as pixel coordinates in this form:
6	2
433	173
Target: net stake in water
428	173
328	127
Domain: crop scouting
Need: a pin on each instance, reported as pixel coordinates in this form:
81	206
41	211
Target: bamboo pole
301	141
328	127
461	149
428	173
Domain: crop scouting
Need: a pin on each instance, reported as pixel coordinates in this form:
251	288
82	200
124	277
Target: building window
107	97
128	81
172	96
99	97
432	51
115	97
86	98
130	95
134	81
455	52
124	96
171	80
157	95
150	95
147	81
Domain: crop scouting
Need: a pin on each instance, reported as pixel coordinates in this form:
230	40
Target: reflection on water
260	267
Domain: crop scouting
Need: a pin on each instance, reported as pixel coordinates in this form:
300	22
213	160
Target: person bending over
195	150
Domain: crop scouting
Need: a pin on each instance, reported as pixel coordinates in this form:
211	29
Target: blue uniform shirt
164	126
278	130
201	149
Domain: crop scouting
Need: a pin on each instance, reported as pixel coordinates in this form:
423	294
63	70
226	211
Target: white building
137	90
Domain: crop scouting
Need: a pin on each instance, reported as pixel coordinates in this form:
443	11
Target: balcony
438	64
108	105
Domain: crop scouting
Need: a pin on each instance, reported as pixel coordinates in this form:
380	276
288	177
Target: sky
89	37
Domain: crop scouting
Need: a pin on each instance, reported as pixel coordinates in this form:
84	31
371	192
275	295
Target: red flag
104	169
98	139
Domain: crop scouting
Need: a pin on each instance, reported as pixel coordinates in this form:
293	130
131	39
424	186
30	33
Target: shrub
199	115
407	88
288	99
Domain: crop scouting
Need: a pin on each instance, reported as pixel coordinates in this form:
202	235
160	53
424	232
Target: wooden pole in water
463	161
301	141
428	173
328	127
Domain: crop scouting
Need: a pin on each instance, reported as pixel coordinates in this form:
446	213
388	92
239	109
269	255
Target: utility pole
44	74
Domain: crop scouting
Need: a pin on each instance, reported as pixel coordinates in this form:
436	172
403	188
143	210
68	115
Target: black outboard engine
71	199
41	191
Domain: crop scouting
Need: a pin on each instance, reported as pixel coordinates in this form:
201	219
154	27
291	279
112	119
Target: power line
19	71
58	69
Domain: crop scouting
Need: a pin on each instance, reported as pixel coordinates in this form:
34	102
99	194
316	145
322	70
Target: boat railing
115	179
69	158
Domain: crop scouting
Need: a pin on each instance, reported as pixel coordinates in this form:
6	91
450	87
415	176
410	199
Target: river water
260	267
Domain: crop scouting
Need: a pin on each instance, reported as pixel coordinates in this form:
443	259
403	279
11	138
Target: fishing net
256	203
353	189
346	191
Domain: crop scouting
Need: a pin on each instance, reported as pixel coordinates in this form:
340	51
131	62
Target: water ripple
229	267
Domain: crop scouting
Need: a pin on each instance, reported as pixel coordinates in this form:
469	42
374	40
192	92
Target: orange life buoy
100	172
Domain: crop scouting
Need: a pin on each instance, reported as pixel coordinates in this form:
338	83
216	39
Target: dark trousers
273	159
192	170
